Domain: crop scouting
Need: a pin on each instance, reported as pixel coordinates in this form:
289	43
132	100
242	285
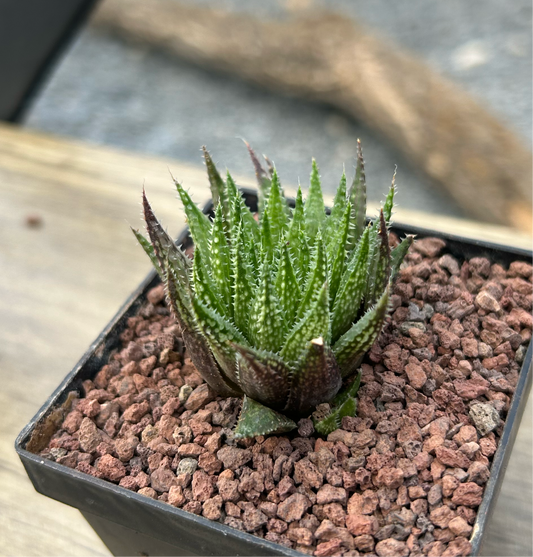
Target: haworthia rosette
275	307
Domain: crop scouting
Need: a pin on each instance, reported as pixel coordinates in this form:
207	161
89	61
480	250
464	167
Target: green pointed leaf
179	299
349	392
232	191
243	287
398	254
357	196
315	213
389	200
263	178
334	420
243	221
373	253
220	260
252	244
219	192
343	405
337	212
287	287
263	375
381	272
318	275
195	343
316	378
297	240
235	207
204	285
251	226
236	217
328	424
217	332
256	419
240	212
149	250
267	241
269	325
338	253
351	290
199	224
361	336
164	246
379	254
241	216
276	210
313	325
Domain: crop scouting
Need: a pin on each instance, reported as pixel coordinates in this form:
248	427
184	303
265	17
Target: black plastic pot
132	524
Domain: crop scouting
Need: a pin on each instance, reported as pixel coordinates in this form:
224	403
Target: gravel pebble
111	468
485	418
293	508
392	548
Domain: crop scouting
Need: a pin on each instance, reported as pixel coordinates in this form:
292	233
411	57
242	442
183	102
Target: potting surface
58	197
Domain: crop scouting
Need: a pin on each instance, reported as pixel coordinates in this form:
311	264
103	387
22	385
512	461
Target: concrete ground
133	97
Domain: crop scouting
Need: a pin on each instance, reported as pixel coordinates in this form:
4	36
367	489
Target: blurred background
304	78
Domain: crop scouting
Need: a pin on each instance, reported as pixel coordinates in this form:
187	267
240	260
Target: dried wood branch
441	129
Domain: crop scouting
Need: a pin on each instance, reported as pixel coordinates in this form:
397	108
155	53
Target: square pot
132	524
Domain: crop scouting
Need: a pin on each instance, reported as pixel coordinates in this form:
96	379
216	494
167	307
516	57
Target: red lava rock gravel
404	477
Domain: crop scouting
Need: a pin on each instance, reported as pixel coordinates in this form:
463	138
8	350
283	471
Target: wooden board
61	283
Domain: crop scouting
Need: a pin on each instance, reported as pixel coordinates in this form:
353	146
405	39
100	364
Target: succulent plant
280	309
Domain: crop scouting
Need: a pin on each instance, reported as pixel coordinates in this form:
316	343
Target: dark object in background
32	34
132	524
34	220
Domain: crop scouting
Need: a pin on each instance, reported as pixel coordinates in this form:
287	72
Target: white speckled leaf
219	332
276	208
220	260
318	275
316	378
351	290
256	419
269	324
263	376
357	196
337	259
313	325
297	240
287	287
361	336
337	212
315	213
